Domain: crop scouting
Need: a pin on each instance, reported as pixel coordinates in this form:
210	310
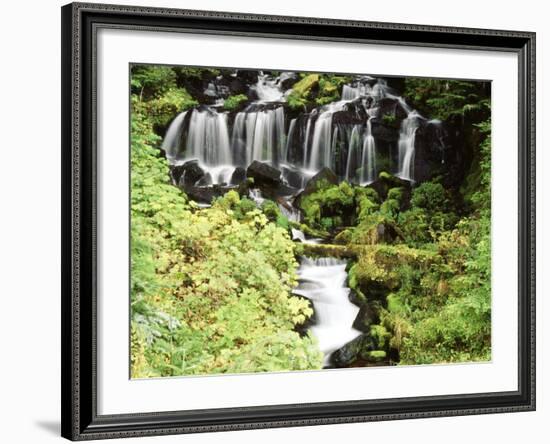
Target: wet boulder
238	176
389	106
187	174
263	174
206	194
324	175
386	181
350	352
365	318
383	132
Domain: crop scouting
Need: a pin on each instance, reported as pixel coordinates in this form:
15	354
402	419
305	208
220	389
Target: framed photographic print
281	221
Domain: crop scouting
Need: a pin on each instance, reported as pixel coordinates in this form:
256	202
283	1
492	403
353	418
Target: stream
323	282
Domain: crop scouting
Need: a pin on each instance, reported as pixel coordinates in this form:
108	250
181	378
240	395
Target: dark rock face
206	194
346	355
204	181
392	107
383	132
262	173
187	174
238	176
293	177
365	318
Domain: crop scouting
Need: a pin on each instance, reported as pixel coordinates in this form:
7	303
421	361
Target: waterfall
337	135
321	143
353	153
268	89
321	153
170	144
238	140
290	136
306	139
407	135
264	134
323	282
368	172
208	138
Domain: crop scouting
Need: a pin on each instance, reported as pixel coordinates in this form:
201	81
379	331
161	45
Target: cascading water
407	136
268	89
338	135
170	144
322	281
258	134
368	173
208	138
353	153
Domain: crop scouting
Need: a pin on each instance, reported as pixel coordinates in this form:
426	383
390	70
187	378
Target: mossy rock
377	271
328	250
386	182
347	354
375	356
304	86
344	237
365	319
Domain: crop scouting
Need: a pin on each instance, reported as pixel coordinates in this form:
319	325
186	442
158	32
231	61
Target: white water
322	281
291	213
260	132
268	88
353	153
208	138
368	174
321	145
170	144
298	235
407	136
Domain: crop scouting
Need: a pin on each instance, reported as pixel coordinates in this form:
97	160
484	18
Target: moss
368	192
395	193
163	108
431	196
325	250
274	214
329	207
395	304
295	101
305	85
380	335
344	237
390	120
377	355
380	268
234	102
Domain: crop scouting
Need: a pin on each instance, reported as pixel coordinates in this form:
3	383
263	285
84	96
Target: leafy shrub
234	102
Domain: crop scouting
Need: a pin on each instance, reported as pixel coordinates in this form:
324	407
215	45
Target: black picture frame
80	420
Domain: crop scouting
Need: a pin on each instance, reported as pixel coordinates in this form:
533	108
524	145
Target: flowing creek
323	282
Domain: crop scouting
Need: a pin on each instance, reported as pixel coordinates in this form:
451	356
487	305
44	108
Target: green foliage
210	289
442	98
389	119
234	102
326	207
274	214
162	109
151	80
304	86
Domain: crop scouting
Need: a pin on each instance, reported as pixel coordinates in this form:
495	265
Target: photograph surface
305	221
